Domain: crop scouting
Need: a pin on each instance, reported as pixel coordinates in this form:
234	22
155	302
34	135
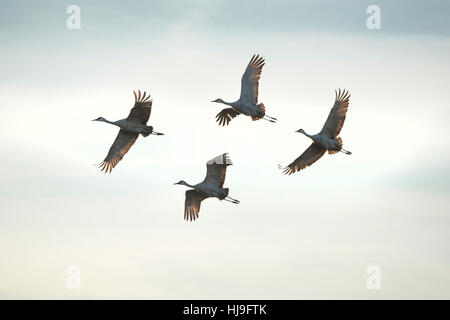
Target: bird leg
235	202
230	199
268	120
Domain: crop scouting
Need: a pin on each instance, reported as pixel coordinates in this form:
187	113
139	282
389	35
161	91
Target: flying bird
327	139
130	128
248	101
211	187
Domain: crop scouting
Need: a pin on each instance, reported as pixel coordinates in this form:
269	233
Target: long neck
187	184
309	136
110	122
232	104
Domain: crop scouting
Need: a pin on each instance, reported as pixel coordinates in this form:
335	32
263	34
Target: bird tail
339	140
263	109
227	190
148	131
261	105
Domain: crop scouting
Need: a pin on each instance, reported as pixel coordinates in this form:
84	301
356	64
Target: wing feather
216	170
311	155
124	141
192	204
142	108
224	117
250	80
336	118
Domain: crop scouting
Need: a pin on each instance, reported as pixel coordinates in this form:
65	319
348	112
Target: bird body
330	144
251	110
327	139
248	101
210	187
211	190
130	129
131	126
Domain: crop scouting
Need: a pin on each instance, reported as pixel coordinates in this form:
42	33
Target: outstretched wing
311	155
216	170
336	118
119	148
224	117
142	108
250	80
192	204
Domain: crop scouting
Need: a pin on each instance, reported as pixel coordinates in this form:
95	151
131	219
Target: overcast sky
309	235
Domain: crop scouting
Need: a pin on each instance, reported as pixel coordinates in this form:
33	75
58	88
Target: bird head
99	119
301	131
180	182
218	100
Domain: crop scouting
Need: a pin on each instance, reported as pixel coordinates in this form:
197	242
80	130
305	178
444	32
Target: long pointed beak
94	120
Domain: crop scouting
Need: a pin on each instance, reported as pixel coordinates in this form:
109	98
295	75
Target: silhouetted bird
212	186
327	139
130	128
248	101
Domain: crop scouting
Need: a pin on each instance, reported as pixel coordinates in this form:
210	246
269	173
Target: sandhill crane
248	101
327	139
212	186
130	128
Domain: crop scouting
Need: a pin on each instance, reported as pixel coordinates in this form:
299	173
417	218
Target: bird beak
175	183
94	120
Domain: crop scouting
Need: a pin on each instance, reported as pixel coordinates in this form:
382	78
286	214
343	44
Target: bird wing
119	148
311	155
250	80
224	117
336	118
142	108
192	204
216	170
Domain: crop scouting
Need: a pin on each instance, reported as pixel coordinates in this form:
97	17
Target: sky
311	235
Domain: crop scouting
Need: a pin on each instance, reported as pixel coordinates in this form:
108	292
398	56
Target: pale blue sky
310	235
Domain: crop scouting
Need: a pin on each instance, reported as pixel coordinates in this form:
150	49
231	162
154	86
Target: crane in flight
130	129
248	101
327	139
210	187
